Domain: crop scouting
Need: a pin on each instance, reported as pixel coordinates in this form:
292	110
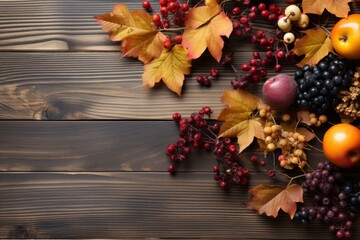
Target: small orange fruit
341	145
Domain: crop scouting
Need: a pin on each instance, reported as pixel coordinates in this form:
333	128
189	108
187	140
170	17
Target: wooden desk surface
107	178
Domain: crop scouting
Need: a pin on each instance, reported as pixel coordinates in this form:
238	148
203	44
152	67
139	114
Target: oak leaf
169	67
135	29
238	117
204	27
316	44
340	8
269	199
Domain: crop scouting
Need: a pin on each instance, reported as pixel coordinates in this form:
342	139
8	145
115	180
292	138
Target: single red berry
164	10
255	78
167	25
177	39
223	184
163	3
245	67
244	20
254	39
271	40
155	18
214	72
252	62
253	9
236	24
272	18
185	7
265	13
253	70
238	32
207	146
216	168
279	10
254	159
207	110
232	148
263	42
263	62
280	54
200	79
248	29
171	149
176	117
186	150
171	168
215	128
252	15
261	163
272	8
247	2
277	68
167	43
271	173
197	137
261	6
263	73
269	54
256	55
146	5
236	11
260	33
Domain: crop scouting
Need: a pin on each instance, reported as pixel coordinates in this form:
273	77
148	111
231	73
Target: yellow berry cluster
317	121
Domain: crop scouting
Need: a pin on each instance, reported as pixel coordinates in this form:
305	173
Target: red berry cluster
171	12
228	170
206	80
194	131
255	70
197	132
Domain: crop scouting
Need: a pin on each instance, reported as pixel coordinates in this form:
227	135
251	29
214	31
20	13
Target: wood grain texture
54	25
63	86
138	205
100	146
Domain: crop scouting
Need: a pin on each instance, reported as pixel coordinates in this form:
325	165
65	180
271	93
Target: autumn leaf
245	101
269	199
169	67
238	117
204	27
134	28
307	133
316	44
304	116
340	8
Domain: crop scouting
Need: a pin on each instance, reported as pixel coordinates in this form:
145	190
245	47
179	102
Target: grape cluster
229	170
334	200
319	85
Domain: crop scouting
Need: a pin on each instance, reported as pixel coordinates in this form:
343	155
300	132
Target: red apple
280	91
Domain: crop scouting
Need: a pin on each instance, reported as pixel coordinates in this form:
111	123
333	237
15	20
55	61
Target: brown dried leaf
269	199
315	45
304	116
338	7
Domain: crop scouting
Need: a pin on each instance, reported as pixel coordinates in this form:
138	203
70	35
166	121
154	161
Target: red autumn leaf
204	27
269	199
338	7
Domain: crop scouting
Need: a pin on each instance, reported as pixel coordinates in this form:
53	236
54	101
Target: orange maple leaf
316	44
170	67
134	28
204	27
338	7
269	199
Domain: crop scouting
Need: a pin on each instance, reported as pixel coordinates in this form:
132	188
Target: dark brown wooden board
102	146
138	205
108	179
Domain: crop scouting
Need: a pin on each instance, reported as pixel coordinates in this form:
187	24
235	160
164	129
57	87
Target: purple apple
280	91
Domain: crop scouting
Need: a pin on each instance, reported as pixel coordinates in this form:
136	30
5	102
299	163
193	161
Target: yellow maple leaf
316	44
204	27
134	28
238	117
169	67
338	7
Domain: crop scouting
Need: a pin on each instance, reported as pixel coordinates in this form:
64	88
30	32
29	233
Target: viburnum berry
236	11
176	117
185	7
163	3
177	39
214	72
146	5
171	168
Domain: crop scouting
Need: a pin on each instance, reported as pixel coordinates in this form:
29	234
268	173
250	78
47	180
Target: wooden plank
59	86
68	25
138	205
101	146
53	25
